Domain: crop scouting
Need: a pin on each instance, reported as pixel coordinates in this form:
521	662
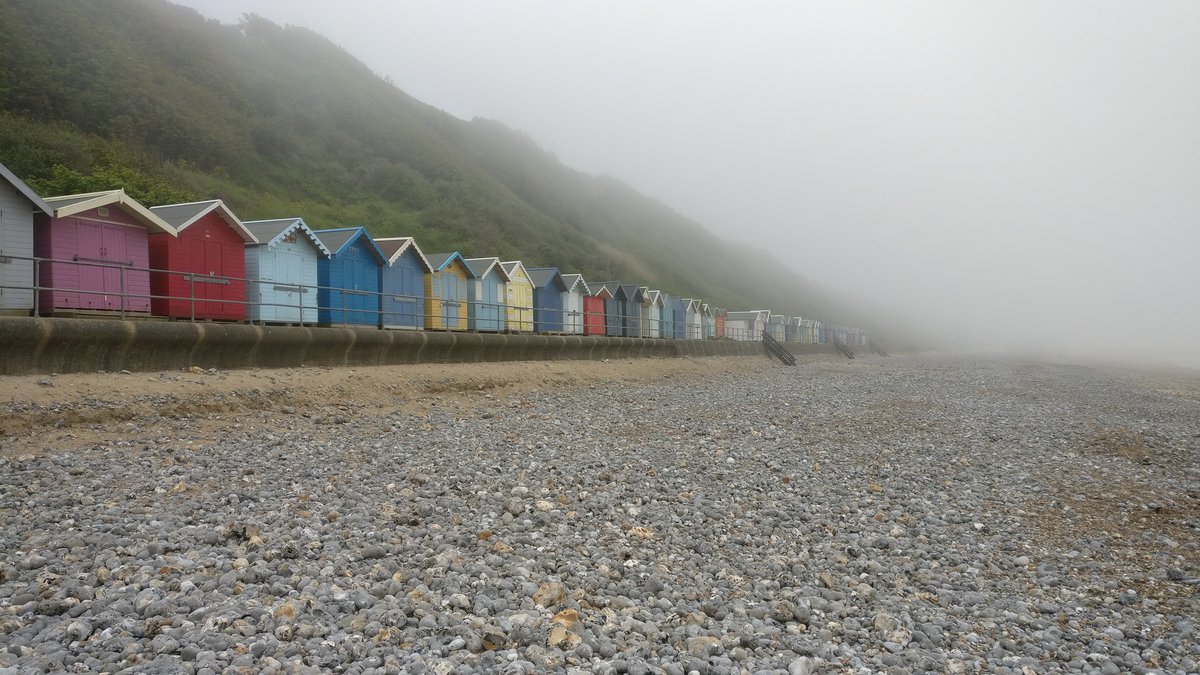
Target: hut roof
394	247
69	205
180	216
268	231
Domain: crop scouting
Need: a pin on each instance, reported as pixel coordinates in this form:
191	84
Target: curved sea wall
57	345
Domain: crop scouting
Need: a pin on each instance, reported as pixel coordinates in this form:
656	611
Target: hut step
843	348
778	350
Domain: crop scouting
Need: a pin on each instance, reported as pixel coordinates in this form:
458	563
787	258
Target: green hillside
279	121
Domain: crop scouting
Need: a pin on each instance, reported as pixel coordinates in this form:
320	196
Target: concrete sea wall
58	345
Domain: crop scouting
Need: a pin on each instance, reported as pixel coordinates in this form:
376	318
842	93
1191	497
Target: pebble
879	515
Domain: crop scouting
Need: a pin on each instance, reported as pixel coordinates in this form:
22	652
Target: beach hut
594	314
18	205
746	325
811	331
614	325
667	327
776	328
573	300
623	309
652	305
548	291
281	271
719	317
402	283
99	243
486	295
519	296
447	292
348	278
707	322
694	327
679	329
631	298
201	273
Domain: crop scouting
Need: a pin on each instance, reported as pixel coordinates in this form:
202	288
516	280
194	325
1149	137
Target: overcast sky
1013	173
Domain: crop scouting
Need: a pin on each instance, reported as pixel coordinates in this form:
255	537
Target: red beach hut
593	314
205	275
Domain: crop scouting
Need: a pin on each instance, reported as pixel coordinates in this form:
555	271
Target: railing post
37	289
192	295
121	272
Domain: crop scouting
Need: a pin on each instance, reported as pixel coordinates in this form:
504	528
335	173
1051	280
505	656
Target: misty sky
1017	174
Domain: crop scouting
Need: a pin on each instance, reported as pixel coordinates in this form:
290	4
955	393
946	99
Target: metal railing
122	289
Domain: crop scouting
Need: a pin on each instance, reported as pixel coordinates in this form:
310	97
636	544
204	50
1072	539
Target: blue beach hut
349	278
402	283
485	293
548	290
281	271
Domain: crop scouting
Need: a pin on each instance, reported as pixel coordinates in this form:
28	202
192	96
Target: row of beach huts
105	254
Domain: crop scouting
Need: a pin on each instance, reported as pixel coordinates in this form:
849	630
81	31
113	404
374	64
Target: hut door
449	300
90	251
290	273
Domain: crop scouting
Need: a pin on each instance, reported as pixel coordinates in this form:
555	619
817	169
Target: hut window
102	211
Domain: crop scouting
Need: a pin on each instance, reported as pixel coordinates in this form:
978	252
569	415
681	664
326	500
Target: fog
1013	175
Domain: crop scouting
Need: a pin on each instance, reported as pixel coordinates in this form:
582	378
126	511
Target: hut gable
181	216
576	284
96	205
284	230
338	240
394	248
35	201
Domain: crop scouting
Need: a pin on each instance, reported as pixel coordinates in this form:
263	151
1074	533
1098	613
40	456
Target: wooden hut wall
113	256
447	296
402	285
18	203
486	312
667	313
519	298
205	268
349	283
282	273
548	288
594	317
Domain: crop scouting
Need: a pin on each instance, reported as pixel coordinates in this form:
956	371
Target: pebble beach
912	514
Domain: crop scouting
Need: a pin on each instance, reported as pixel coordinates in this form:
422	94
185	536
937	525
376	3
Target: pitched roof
481	266
573	280
511	267
180	216
394	247
632	292
26	191
543	277
69	205
339	238
440	261
267	232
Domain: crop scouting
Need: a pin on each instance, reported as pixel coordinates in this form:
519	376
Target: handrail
310	304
